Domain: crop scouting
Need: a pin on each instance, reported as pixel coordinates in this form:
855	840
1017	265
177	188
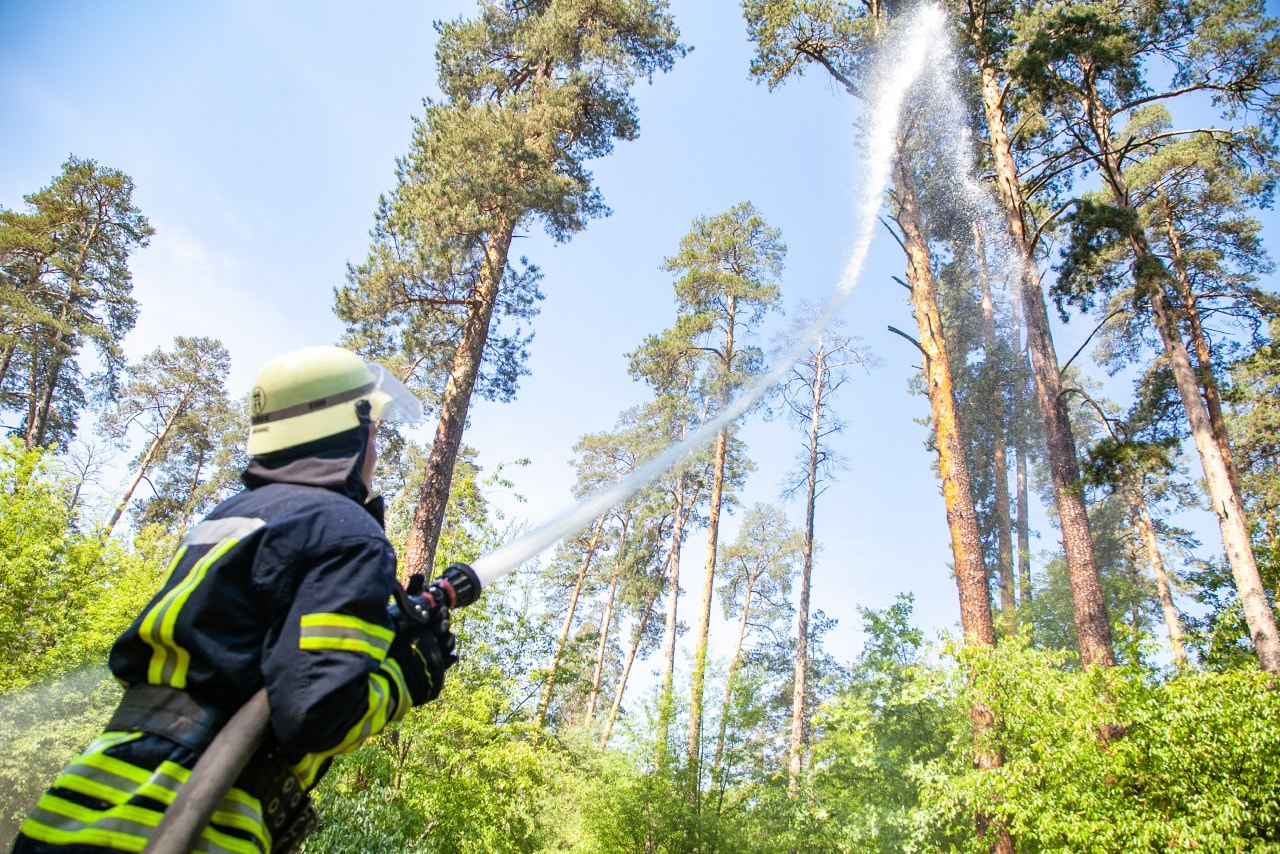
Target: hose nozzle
457	587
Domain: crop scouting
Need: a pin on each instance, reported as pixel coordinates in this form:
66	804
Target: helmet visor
390	400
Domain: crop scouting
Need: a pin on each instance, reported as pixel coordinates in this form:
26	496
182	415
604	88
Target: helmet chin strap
369	428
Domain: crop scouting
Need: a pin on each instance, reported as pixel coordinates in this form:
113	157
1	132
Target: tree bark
145	462
800	677
433	497
966	549
999	455
602	650
1092	626
42	398
606	619
626	670
693	748
1024	529
734	661
971	576
671	626
544	704
1151	545
1227	504
1204	359
709	570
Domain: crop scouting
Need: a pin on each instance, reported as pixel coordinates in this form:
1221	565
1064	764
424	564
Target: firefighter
286	585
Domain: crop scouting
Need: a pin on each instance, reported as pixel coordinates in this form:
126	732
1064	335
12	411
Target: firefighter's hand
423	663
425	647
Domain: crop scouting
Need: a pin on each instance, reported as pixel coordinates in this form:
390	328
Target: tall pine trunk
1151	545
735	660
602	649
433	496
670	627
1227	503
1092	626
548	687
641	624
709	570
606	618
999	454
966	546
145	462
800	677
41	400
694	747
1204	358
962	522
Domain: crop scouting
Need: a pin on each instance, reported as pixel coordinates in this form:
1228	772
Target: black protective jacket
284	585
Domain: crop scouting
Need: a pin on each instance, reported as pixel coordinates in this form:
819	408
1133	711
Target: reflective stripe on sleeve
212	531
372	722
403	701
346	633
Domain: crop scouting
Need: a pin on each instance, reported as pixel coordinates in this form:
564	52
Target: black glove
424	649
423	664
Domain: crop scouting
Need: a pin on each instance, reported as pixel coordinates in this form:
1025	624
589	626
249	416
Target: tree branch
896	331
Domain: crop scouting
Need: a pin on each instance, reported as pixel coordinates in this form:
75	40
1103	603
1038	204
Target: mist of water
901	61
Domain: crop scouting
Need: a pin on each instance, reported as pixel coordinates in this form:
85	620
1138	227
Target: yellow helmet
313	393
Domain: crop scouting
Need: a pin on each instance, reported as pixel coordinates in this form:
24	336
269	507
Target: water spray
901	62
909	49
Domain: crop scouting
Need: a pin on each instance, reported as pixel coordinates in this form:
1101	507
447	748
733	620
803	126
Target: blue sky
260	135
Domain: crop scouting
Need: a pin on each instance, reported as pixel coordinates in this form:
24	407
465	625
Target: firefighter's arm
337	673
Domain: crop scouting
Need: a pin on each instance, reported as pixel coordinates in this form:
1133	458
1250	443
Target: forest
664	677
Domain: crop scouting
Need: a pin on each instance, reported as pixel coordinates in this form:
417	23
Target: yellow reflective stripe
169	661
307	768
111	765
116	781
124	827
48	823
373	721
344	632
173	565
238	809
392	668
146	630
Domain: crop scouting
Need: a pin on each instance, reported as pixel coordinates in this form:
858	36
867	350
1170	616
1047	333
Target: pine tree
728	268
532	91
65	283
1084	63
178	399
808	393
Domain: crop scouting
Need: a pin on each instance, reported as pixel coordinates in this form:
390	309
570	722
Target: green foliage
790	34
1110	760
1104	760
532	92
889	725
66	593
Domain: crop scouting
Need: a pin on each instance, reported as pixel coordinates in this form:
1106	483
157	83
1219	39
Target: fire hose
230	751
